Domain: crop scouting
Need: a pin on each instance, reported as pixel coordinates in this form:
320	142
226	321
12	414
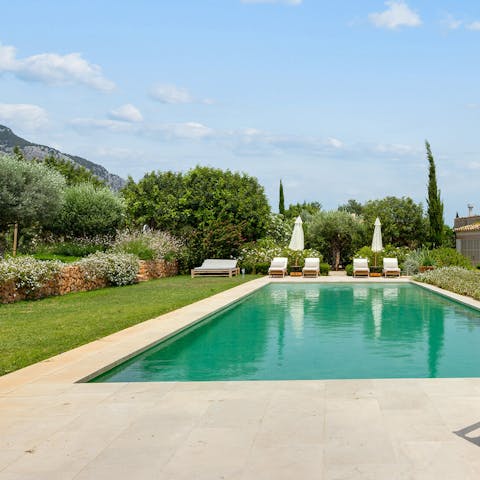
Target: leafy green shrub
426	258
261	268
215	211
28	273
77	248
349	270
116	268
439	257
148	245
53	256
455	279
89	211
324	268
449	257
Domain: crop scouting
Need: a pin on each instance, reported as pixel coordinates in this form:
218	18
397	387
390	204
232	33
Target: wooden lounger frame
277	271
215	272
361	273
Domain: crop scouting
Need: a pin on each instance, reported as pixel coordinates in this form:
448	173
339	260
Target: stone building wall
71	279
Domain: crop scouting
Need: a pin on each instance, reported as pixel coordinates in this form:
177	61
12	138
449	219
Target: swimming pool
319	331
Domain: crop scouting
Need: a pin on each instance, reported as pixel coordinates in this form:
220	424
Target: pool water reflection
319	331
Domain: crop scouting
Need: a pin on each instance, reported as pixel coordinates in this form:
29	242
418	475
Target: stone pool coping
52	427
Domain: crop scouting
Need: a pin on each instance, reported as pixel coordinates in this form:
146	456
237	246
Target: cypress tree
281	201
435	204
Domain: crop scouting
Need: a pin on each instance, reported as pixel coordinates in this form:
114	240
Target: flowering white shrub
262	253
455	279
148	245
279	229
117	268
28	273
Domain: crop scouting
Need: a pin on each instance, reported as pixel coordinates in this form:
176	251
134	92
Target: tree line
213	211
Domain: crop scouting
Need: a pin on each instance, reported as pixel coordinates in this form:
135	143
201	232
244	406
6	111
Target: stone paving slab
54	428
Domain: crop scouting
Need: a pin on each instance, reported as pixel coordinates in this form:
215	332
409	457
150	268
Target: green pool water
319	331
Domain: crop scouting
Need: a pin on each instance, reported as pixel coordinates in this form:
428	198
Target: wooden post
15	238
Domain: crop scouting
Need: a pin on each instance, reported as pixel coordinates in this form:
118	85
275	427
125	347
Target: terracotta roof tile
474	227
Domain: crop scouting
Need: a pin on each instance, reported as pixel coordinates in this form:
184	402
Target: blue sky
334	98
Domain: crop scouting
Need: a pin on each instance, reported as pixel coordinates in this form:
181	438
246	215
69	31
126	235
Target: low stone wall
71	279
156	269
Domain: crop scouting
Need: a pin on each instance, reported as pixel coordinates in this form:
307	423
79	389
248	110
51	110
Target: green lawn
31	331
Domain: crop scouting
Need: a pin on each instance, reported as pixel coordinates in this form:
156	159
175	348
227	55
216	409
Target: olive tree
30	193
336	234
89	211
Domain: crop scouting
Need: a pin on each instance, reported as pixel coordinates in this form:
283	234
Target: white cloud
451	22
23	116
54	69
110	125
186	130
398	14
253	142
334	142
166	93
474	165
127	113
285	2
474	26
116	152
395	149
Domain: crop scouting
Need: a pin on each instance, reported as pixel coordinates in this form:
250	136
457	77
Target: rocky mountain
8	141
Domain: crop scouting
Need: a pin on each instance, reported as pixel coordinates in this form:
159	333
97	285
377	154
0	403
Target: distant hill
8	141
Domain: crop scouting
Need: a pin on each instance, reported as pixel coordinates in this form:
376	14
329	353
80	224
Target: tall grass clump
148	245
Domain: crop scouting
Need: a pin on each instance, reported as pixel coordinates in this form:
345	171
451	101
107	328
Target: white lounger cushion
279	263
360	264
390	264
217	264
312	264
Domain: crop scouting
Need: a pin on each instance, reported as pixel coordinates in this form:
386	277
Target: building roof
474	227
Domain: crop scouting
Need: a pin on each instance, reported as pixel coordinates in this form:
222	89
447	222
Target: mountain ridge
9	140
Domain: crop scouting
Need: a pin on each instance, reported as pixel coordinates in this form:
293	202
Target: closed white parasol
377	245
297	242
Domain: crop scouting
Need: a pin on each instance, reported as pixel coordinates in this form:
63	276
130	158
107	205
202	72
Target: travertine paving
53	428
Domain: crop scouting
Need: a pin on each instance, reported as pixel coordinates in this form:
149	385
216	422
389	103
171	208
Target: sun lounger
311	267
360	267
390	267
278	266
216	267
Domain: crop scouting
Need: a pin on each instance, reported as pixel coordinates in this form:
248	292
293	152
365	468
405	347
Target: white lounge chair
311	267
216	267
390	267
360	267
278	266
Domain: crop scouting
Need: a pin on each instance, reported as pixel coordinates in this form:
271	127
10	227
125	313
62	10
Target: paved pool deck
52	427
